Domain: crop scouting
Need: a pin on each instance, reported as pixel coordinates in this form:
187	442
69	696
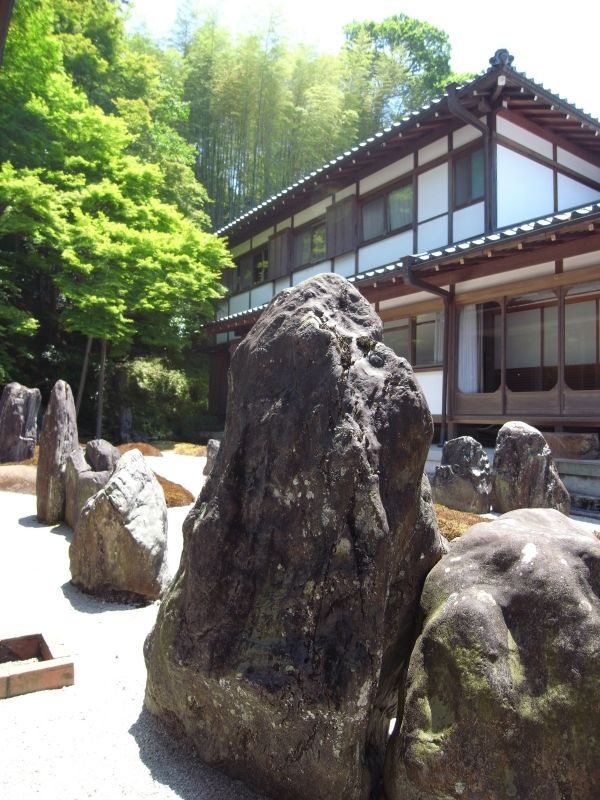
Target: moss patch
454	523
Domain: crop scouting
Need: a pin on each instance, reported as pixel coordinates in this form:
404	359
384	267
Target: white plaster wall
387	251
312	212
433	192
433	150
347	192
262	237
221	338
344	265
398	302
287	223
524	137
309	272
240	249
577	164
572	193
431	382
261	294
387	174
465	135
432	234
222	309
282	283
525	188
468	222
579	262
502	278
239	302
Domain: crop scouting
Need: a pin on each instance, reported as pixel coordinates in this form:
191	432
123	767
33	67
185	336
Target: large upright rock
279	645
502	687
58	440
19	407
463	480
524	474
119	545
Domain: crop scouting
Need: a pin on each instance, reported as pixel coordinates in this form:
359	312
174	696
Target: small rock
463	480
524	474
101	455
119	544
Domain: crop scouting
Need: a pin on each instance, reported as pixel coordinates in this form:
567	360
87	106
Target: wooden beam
551	281
411	309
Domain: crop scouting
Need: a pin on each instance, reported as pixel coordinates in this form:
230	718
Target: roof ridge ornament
501	58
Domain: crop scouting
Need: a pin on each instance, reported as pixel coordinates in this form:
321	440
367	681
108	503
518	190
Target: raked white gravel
93	739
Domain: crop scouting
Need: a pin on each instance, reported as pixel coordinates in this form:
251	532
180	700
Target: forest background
118	157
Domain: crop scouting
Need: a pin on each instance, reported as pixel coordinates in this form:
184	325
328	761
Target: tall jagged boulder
279	645
524	474
119	544
463	480
19	407
503	680
57	441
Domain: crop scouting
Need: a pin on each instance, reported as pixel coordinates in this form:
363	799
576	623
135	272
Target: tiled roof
469	247
500	64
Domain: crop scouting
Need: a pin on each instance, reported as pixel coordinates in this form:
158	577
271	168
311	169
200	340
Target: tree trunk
84	369
100	390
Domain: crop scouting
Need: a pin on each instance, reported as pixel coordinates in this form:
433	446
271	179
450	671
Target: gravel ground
93	739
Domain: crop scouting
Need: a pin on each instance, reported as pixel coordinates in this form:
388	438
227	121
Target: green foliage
99	212
167	402
262	113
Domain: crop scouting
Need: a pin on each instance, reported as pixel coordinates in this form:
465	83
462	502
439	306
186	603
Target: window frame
468	152
309	229
411	324
384	193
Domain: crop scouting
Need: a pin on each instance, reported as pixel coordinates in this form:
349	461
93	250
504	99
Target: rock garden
313	634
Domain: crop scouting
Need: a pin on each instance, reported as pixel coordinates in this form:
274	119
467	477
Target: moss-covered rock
502	687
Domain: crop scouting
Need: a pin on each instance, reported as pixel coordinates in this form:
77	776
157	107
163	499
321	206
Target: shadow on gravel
32	521
174	763
89	604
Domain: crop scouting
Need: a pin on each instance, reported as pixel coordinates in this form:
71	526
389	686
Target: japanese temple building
473	228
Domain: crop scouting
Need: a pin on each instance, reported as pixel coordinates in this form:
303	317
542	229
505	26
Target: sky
553	42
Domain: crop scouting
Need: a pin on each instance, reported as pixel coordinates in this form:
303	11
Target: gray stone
119	544
57	441
212	448
101	455
463	480
19	407
279	646
502	684
81	483
524	474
